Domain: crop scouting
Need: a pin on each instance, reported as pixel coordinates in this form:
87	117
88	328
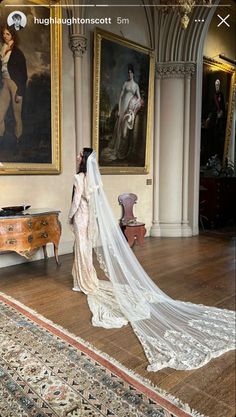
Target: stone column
78	45
171	150
185	202
155	230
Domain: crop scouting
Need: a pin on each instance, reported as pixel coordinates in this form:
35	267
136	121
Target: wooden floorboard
199	269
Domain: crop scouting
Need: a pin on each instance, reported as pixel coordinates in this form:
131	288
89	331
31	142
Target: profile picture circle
17	20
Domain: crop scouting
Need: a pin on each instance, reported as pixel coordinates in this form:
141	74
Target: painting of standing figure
13	78
123	77
29	90
218	106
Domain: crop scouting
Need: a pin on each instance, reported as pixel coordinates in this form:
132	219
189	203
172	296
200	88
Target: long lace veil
173	333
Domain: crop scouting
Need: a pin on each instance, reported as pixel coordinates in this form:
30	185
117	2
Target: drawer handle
11	241
10	228
44	223
30	238
45	235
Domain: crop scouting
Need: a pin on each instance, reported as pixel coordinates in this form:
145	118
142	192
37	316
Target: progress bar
208	6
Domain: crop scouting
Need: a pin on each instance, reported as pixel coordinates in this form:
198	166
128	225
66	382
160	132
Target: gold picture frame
217	126
39	149
122	108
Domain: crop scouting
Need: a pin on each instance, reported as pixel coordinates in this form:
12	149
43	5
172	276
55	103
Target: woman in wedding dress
83	272
173	333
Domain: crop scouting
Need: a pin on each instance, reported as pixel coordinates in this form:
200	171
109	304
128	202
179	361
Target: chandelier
184	8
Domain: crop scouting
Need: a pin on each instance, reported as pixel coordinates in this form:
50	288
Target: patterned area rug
47	372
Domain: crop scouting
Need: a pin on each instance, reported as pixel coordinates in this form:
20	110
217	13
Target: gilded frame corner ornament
99	36
54	166
214	66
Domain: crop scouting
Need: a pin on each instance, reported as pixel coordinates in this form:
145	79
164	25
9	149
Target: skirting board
171	230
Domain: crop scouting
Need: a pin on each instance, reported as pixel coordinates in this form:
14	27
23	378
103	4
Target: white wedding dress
174	334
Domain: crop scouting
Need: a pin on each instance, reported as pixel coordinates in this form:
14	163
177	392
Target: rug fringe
146	382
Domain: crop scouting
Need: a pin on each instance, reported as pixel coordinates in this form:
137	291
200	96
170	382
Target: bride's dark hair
83	165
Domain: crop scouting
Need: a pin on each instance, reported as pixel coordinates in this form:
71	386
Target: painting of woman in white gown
122	145
124	97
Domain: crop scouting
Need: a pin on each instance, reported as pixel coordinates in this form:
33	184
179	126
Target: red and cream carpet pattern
47	372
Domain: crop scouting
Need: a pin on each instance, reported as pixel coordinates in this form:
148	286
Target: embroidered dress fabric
83	271
175	334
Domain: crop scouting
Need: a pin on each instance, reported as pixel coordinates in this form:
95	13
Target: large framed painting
123	104
30	88
218	105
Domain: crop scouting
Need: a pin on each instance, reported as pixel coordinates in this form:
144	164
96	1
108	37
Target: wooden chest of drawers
217	200
25	233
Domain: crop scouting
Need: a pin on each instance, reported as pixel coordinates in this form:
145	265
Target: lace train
104	307
182	351
200	340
